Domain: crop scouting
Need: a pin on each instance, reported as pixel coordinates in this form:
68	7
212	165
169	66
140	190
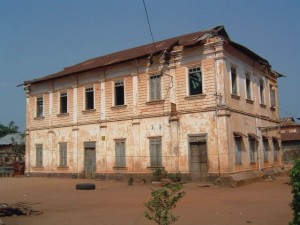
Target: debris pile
18	209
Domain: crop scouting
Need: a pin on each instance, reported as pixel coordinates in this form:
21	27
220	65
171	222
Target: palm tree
11	128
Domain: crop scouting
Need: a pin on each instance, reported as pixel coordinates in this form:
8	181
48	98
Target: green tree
162	202
10	128
295	183
18	148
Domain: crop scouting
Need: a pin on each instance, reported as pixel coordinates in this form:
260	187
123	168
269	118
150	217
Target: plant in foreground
162	202
295	183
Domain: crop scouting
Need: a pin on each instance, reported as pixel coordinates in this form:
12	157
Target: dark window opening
248	87
63	102
233	81
119	93
89	98
195	81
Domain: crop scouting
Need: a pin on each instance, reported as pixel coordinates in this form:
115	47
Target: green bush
175	177
159	174
295	183
162	202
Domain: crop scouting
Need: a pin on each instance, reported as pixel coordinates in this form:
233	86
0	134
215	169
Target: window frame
40	107
234	80
87	96
116	85
276	149
190	72
252	149
120	153
248	84
63	154
155	146
39	155
272	96
266	149
155	93
63	102
238	143
262	91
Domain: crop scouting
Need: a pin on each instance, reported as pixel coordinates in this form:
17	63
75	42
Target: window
272	96
233	81
248	87
119	93
39	155
261	92
63	154
252	149
89	98
63	102
266	149
155	87
155	152
276	149
238	149
39	107
195	81
120	154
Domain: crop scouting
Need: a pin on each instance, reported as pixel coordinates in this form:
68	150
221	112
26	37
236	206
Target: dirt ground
116	203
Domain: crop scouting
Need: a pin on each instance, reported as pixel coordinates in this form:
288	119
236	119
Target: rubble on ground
18	209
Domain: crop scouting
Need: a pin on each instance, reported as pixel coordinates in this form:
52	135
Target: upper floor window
261	91
155	87
195	81
63	102
119	93
234	81
248	86
89	98
272	96
39	107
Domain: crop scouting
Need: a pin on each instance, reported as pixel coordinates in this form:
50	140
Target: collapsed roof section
187	40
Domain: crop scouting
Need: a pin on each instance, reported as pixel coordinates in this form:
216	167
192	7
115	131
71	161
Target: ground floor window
276	149
39	155
120	154
238	149
266	149
63	154
252	150
155	152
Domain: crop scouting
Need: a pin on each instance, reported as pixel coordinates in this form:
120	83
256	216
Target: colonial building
290	138
199	104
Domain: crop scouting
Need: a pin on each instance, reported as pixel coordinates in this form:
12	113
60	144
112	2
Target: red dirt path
116	203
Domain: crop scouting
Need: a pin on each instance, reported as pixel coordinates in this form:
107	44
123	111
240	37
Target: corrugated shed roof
147	50
7	140
288	122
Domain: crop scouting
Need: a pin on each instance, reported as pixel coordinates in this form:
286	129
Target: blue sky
41	37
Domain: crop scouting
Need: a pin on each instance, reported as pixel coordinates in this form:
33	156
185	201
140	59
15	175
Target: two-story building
199	103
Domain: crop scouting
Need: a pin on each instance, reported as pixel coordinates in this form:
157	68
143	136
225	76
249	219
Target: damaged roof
191	39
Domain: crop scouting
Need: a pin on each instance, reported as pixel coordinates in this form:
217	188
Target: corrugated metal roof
7	140
147	50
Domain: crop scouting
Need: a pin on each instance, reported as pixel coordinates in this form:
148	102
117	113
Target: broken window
120	160
39	107
155	152
238	149
266	149
89	98
252	149
155	87
39	155
195	81
63	102
233	81
248	87
272	96
119	93
63	154
261	92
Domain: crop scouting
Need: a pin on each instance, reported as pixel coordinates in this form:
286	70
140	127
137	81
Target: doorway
198	158
89	159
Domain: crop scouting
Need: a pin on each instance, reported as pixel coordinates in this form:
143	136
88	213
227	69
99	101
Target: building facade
290	138
199	103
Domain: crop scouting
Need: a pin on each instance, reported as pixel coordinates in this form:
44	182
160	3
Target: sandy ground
116	203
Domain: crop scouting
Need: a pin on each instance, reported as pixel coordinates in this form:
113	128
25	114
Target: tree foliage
18	149
295	183
162	202
10	128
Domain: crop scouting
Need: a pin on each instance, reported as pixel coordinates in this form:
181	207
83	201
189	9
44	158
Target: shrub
162	202
159	174
295	183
